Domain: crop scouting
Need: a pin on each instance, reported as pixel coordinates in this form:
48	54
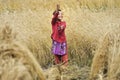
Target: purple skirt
59	48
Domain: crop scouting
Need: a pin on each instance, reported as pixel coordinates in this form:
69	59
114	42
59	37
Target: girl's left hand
61	27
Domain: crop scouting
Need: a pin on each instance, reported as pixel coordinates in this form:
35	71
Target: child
59	44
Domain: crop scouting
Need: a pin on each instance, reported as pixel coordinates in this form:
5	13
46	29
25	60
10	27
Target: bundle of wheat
17	62
106	61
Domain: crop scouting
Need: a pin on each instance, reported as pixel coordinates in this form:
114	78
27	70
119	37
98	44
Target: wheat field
90	25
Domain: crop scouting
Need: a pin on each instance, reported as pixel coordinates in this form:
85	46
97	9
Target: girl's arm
55	14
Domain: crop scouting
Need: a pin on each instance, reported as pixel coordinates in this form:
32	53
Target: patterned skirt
59	48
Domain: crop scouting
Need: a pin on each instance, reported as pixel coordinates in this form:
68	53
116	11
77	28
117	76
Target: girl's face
60	16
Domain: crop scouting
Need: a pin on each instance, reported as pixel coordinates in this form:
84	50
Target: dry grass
114	54
88	21
71	72
19	5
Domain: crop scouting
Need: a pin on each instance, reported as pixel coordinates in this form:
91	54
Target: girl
59	45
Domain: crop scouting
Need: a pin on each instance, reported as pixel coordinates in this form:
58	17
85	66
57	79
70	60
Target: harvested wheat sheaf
106	61
17	62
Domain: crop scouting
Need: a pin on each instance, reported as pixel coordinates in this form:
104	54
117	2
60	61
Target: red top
58	34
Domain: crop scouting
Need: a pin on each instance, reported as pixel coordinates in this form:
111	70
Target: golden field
93	31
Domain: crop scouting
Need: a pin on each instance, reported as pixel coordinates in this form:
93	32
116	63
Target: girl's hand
61	27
